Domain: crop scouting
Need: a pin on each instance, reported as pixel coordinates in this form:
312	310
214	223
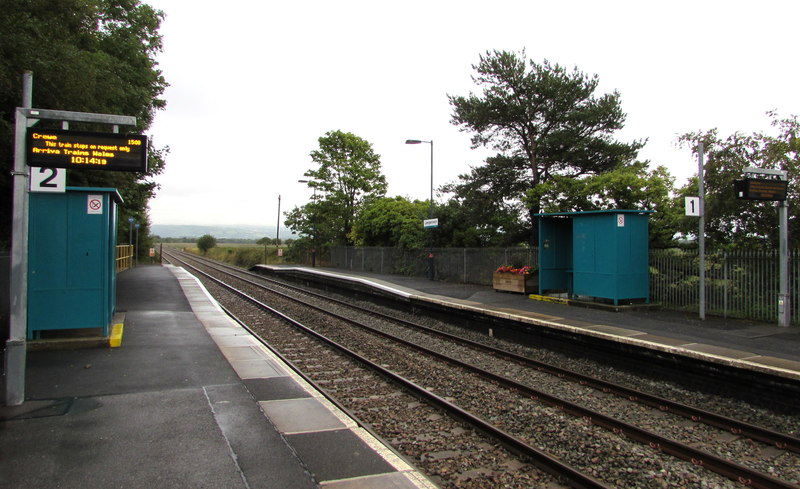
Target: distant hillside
235	232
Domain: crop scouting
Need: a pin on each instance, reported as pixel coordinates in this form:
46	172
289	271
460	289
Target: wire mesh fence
738	284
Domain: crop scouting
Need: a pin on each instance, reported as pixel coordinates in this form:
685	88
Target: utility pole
278	228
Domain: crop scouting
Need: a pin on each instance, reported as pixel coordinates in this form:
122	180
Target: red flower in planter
526	270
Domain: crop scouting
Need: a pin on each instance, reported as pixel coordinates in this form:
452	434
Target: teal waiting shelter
72	238
595	254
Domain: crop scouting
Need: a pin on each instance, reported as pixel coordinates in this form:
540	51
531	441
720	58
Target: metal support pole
136	247
431	262
701	237
784	302
15	357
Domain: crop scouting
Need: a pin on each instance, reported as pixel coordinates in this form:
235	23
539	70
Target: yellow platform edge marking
545	298
115	340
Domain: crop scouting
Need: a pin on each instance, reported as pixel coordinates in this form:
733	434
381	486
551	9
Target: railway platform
190	400
755	346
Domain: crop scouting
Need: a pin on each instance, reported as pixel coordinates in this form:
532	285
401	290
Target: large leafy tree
392	222
86	56
631	186
488	204
348	178
544	120
731	222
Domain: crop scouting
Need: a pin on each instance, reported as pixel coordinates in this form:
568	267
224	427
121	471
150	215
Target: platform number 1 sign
693	206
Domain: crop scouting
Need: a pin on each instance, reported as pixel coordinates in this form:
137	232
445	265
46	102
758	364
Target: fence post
725	284
465	265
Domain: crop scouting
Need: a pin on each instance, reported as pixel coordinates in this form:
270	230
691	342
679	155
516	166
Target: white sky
255	83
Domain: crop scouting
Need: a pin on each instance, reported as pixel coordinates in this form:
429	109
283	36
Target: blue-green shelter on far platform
595	254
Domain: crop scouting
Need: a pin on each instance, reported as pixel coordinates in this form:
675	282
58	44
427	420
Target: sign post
25	118
701	237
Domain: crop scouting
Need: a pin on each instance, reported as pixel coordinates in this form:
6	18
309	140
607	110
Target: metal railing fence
463	265
738	284
124	257
741	284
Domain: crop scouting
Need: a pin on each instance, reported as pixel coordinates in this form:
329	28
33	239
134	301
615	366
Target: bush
206	242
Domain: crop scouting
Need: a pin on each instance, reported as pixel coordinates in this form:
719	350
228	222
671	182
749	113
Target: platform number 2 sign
48	179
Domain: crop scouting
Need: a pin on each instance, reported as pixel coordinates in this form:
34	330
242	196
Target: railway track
626	438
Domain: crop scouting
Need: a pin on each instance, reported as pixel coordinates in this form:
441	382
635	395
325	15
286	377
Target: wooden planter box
513	282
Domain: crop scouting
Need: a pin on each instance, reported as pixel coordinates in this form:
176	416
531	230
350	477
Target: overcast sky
254	84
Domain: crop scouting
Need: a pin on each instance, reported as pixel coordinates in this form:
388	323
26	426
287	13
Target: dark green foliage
86	56
395	222
631	186
544	121
734	223
348	179
206	242
486	207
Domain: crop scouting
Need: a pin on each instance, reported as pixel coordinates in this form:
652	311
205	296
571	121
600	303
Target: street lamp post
431	269
314	227
278	228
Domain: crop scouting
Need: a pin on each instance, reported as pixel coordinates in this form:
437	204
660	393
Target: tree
543	120
206	242
486	206
394	222
86	56
731	222
348	178
631	186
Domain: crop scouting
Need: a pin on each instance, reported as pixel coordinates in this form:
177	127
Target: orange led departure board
92	150
760	189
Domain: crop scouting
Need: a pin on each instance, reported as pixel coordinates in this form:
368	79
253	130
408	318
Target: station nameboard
760	189
91	150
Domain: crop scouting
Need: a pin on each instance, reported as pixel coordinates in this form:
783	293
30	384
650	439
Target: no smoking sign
94	204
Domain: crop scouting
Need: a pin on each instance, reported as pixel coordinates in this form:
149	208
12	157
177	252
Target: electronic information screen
90	150
761	189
